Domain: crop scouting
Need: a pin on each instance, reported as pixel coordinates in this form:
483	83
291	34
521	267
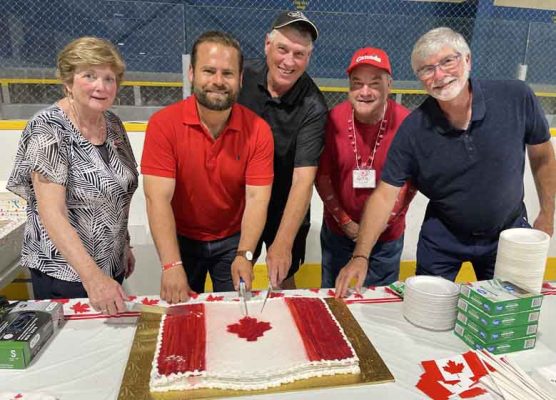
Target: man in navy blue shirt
464	149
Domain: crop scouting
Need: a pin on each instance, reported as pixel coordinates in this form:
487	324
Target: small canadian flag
457	375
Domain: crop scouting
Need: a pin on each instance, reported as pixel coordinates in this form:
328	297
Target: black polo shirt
297	120
473	178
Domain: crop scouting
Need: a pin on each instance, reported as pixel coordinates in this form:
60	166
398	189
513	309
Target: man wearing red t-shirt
358	134
208	169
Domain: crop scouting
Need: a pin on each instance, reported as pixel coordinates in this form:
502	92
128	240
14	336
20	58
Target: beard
225	102
450	93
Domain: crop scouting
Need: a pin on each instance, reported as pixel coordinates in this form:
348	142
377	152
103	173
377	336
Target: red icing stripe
183	342
320	334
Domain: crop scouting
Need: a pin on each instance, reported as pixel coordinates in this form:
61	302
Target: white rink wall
147	275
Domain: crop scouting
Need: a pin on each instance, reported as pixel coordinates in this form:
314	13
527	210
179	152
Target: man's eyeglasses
446	64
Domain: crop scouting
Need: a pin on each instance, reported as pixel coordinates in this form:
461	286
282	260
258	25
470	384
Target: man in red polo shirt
208	169
359	132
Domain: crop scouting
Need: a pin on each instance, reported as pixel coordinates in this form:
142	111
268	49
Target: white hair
435	40
302	32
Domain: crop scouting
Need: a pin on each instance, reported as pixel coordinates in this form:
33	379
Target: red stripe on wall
183	342
320	334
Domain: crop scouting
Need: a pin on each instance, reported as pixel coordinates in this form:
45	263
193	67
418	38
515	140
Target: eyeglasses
446	64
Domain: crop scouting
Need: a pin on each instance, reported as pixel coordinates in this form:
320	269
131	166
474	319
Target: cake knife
156	309
242	294
268	291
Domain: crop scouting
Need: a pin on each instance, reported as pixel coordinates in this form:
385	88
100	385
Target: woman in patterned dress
76	169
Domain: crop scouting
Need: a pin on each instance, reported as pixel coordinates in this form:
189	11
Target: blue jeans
215	256
440	251
384	261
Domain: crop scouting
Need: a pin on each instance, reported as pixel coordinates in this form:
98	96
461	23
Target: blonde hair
88	51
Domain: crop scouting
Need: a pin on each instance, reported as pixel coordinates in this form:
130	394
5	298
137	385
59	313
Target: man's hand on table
355	268
174	287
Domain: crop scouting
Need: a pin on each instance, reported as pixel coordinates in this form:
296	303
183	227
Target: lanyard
380	134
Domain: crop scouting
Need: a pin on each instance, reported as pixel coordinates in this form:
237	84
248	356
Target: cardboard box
496	334
507	346
497	297
488	321
25	330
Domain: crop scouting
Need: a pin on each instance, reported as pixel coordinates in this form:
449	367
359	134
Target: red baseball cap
370	56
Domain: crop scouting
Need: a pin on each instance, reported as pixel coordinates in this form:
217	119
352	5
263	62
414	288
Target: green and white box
489	322
507	346
496	334
497	296
25	330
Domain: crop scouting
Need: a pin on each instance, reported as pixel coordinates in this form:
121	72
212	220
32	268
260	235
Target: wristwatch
245	254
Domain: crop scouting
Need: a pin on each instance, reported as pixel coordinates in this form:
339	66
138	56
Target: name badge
364	179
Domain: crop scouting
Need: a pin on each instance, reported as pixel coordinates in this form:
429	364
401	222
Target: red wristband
171	265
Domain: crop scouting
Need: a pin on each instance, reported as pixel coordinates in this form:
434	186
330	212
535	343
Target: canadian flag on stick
458	375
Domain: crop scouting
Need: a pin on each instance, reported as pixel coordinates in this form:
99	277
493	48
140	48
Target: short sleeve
42	149
399	165
158	157
310	140
536	125
260	170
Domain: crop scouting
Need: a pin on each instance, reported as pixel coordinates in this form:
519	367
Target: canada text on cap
370	56
290	17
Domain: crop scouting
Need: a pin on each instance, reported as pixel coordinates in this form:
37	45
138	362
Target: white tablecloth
87	358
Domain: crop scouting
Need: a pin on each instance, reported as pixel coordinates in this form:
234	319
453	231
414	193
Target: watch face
249	255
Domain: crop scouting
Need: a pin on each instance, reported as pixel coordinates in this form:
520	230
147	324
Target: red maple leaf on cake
193	295
371	287
149	302
249	328
18	396
274	295
210	297
331	293
131	298
80	308
453	367
357	296
314	290
255	293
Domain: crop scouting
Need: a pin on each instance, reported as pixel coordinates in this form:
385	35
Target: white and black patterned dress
98	194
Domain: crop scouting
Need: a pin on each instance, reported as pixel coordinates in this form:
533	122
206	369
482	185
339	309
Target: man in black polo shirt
280	91
463	148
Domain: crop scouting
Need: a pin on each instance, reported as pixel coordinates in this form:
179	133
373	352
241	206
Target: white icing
233	364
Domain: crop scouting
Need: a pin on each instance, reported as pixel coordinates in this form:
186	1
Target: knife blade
180	309
243	296
268	292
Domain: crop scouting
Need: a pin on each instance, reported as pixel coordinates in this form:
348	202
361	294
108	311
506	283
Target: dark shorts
47	287
298	248
214	257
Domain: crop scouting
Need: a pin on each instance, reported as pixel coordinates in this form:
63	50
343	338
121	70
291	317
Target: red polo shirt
211	175
341	201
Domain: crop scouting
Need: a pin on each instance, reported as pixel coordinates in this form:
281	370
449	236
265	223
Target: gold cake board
135	384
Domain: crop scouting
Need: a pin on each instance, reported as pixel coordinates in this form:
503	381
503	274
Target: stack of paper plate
521	257
430	302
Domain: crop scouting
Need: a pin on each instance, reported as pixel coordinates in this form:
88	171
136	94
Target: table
86	359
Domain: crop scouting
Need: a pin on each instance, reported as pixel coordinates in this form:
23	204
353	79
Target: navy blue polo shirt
473	178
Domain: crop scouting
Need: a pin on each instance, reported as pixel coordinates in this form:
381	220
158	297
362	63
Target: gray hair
435	40
299	28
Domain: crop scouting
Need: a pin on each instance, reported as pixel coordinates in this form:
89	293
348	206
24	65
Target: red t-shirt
211	175
341	201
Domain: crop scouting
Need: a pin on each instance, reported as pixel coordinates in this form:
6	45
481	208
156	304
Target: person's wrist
359	256
170	265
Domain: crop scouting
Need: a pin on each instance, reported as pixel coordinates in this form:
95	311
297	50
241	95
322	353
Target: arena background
507	42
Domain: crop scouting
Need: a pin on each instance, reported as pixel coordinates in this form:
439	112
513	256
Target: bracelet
353	257
171	265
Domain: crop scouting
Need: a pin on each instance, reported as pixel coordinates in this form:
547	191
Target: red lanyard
353	136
